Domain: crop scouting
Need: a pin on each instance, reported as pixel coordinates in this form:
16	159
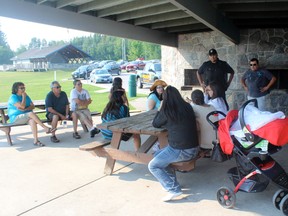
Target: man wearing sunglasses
57	107
257	82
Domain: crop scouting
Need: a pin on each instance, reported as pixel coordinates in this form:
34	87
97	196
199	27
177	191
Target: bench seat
100	142
187	166
6	127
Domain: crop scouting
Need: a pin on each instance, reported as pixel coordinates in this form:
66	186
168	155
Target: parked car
149	74
104	62
135	65
123	66
101	75
82	72
113	68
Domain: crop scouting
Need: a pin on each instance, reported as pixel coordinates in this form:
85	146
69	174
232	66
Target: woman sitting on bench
116	109
20	108
178	117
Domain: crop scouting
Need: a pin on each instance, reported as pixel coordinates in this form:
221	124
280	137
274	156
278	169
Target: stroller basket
256	183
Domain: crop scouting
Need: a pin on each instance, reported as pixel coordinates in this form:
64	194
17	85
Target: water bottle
64	124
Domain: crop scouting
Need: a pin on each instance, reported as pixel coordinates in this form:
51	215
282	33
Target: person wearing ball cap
216	71
155	97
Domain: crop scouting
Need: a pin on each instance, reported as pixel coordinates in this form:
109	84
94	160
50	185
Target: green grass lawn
38	85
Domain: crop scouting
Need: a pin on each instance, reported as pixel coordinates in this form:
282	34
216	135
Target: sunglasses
22	88
79	84
253	64
159	87
57	87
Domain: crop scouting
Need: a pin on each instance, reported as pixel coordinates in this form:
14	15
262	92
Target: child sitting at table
116	109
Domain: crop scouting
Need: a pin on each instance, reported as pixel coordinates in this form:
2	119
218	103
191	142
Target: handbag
217	154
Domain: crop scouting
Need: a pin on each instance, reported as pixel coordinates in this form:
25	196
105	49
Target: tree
21	49
135	50
5	52
34	43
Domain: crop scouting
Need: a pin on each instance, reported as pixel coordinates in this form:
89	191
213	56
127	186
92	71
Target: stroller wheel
226	197
284	205
278	196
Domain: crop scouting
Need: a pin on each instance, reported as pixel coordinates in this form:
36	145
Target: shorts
22	118
50	116
83	114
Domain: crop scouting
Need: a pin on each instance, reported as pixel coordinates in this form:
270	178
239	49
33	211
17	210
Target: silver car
100	76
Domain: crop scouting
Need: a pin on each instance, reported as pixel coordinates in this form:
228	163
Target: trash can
132	85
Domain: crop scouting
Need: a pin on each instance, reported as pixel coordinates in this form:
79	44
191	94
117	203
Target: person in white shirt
80	100
206	133
211	97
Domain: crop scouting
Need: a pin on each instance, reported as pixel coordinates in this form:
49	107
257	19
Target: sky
20	32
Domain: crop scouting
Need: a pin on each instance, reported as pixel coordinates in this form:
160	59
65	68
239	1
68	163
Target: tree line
98	46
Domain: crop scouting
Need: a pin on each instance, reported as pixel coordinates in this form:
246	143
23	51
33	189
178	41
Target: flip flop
51	130
39	144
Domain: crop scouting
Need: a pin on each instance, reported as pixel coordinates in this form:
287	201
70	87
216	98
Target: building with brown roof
47	58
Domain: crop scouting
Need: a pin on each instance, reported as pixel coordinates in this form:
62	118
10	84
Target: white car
101	76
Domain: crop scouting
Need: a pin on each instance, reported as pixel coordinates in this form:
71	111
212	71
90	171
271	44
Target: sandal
76	135
51	130
39	144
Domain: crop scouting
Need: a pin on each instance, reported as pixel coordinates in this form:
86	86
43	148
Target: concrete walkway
61	180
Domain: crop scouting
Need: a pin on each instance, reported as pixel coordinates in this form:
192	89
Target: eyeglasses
57	87
22	88
253	64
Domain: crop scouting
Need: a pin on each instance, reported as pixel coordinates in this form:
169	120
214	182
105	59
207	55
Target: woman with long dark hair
117	86
116	109
177	116
212	97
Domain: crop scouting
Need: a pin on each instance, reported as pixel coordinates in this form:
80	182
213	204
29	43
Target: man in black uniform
217	71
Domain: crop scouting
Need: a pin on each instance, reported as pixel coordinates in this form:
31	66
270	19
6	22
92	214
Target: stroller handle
213	113
248	134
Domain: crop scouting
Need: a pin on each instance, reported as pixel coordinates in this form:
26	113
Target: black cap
212	52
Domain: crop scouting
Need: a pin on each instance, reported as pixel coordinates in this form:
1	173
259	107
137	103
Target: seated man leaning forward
80	100
57	107
206	134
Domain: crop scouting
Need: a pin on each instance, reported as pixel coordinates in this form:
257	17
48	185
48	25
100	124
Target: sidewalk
61	180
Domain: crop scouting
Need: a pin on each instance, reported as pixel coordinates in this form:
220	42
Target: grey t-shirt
255	80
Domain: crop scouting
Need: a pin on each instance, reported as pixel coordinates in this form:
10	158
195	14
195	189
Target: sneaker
171	196
94	132
76	135
54	139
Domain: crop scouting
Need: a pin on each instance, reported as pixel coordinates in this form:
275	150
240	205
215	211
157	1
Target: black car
82	72
113	68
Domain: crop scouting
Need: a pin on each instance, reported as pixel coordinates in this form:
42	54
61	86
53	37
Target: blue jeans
261	101
159	165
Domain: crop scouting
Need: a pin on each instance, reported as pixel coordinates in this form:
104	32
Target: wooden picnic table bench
40	109
136	124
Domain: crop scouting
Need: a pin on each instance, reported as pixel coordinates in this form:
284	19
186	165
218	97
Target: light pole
123	49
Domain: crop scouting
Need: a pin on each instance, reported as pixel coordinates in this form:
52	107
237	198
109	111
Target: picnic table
136	124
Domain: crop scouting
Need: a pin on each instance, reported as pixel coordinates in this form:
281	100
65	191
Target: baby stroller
255	166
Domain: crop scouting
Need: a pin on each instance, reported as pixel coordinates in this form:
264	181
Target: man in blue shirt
57	107
257	82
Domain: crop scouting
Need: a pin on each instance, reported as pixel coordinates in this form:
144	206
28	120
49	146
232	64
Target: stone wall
270	46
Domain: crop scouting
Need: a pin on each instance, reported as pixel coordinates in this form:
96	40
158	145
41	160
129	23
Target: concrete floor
61	180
